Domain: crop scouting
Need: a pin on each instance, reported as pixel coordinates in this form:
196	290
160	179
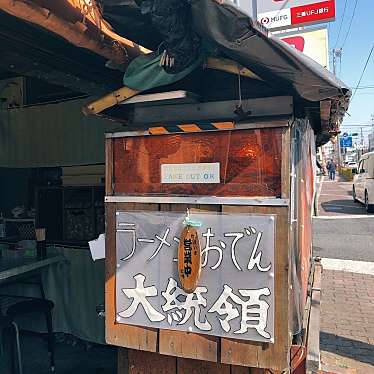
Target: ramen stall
209	203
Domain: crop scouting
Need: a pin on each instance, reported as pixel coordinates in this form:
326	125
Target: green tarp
145	73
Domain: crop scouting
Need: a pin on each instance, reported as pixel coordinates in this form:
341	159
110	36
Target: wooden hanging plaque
189	259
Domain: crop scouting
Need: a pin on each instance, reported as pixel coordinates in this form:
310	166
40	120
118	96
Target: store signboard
278	15
313	43
234	297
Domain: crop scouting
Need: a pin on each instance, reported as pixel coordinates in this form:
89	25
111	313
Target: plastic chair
7	322
37	306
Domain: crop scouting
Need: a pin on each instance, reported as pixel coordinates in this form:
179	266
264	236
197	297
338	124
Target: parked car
363	182
352	165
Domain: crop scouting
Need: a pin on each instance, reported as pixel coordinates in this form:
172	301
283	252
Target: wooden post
41	245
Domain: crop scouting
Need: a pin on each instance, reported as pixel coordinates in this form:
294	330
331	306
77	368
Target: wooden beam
231	67
109	100
93	14
278	106
125	93
23	65
75	33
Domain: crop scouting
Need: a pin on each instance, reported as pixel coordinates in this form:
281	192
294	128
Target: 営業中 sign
234	296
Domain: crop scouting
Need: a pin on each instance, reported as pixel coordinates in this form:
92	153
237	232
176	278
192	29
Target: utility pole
361	143
337	54
371	136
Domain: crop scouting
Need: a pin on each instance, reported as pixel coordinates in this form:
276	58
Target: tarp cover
240	38
235	35
145	73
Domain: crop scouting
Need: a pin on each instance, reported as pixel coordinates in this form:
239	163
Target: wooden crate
133	169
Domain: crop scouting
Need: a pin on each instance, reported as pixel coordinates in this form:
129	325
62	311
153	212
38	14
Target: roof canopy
274	68
200	46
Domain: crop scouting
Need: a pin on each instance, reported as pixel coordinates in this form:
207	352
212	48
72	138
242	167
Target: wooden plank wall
138	362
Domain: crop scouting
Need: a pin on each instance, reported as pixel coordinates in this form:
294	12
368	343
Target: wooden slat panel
257	371
270	356
109	167
138	206
119	334
238	352
286	164
183	344
150	363
240	370
186	366
122	361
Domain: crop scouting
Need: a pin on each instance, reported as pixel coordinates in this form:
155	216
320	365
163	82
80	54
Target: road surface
343	229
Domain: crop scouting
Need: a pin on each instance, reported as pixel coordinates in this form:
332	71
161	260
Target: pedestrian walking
331	167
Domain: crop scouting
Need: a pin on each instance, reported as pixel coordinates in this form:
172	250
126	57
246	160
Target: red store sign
313	13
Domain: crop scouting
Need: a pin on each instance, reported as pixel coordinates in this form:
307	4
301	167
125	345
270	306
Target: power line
350	24
364	87
357	125
341	24
365	94
363	72
352	126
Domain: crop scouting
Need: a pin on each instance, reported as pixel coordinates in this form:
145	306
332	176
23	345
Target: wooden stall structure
265	169
224	144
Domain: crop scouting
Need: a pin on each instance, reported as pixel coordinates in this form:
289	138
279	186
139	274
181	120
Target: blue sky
355	52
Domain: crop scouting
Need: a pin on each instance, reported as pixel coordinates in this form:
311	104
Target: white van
363	182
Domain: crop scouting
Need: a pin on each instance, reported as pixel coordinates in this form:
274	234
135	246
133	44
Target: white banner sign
234	297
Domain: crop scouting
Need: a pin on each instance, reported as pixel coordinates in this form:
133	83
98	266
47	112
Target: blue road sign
346	141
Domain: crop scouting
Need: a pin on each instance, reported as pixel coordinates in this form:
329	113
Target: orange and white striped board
191	127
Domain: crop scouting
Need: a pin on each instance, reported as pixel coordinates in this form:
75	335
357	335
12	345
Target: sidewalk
344	236
347	322
335	198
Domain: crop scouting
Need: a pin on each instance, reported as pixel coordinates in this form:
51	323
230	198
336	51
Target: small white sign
275	19
190	173
97	247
